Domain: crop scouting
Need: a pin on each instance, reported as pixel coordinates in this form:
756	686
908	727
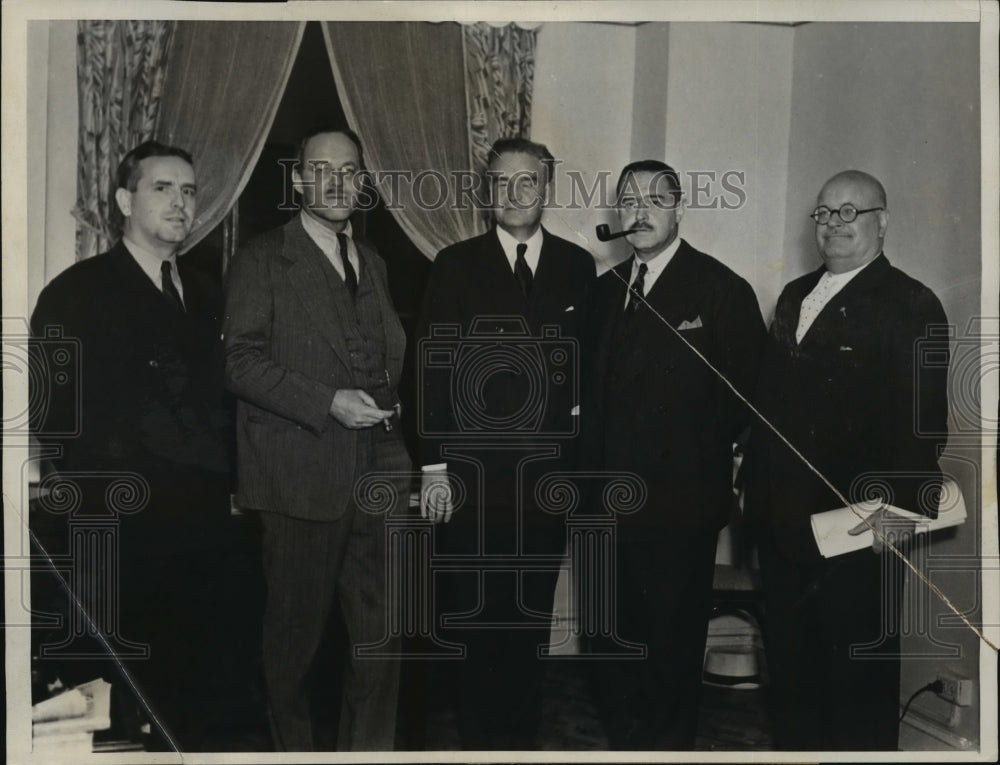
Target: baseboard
935	730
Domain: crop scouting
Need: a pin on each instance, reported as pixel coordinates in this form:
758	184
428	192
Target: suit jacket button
154	363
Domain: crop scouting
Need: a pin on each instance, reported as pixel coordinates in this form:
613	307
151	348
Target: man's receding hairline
867	182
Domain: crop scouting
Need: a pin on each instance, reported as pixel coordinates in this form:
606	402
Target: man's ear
124	199
545	192
681	206
883	223
297	180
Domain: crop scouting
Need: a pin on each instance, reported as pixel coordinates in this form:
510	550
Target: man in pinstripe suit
314	351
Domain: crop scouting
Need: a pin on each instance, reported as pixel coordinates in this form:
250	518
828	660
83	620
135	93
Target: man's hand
355	409
435	496
883	522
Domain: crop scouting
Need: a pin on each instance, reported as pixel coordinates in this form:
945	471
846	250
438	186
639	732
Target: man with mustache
655	406
494	424
152	416
314	351
840	381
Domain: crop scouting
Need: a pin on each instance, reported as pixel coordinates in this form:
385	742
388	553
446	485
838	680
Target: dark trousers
174	602
663	600
307	564
832	638
150	578
496	688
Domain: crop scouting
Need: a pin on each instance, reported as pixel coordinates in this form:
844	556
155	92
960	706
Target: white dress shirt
654	267
326	240
531	255
826	288
151	263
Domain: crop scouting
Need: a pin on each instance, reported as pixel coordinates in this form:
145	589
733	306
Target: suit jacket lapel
668	301
786	321
547	277
393	350
611	313
835	310
498	277
669	297
308	279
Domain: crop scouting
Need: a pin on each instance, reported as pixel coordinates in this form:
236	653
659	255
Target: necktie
169	288
350	278
522	270
638	289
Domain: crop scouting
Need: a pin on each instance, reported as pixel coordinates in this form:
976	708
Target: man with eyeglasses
314	352
840	383
672	326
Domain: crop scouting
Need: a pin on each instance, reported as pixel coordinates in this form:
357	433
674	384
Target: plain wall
730	89
582	110
901	101
53	118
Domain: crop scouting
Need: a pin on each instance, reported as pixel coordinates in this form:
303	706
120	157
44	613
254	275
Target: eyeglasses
847	213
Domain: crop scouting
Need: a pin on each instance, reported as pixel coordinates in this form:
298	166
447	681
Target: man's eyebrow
169	182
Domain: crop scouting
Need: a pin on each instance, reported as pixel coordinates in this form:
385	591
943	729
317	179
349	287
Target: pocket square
690	324
846	348
568	309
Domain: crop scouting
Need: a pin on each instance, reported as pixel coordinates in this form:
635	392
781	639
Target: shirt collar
322	235
509	244
659	261
148	260
839	280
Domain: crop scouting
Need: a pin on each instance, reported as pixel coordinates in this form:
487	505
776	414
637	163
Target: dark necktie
350	278
638	290
169	288
521	269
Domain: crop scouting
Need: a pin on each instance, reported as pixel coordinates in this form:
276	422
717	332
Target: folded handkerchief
568	309
690	324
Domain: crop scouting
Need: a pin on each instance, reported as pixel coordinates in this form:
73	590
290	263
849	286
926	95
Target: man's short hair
130	171
320	130
523	146
653	166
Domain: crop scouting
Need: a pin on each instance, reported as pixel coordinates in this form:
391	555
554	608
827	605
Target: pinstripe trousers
306	565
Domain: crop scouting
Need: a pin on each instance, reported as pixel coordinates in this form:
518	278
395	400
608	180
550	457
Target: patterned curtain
120	68
499	74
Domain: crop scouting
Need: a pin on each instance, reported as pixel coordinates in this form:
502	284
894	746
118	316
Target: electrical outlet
957	688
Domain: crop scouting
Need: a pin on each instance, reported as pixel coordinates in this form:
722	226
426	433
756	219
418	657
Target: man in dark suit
658	405
840	381
314	352
509	306
151	413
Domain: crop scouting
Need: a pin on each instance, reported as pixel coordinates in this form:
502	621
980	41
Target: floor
729	719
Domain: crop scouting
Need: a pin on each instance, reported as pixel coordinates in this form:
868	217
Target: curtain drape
223	86
499	77
402	86
120	74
